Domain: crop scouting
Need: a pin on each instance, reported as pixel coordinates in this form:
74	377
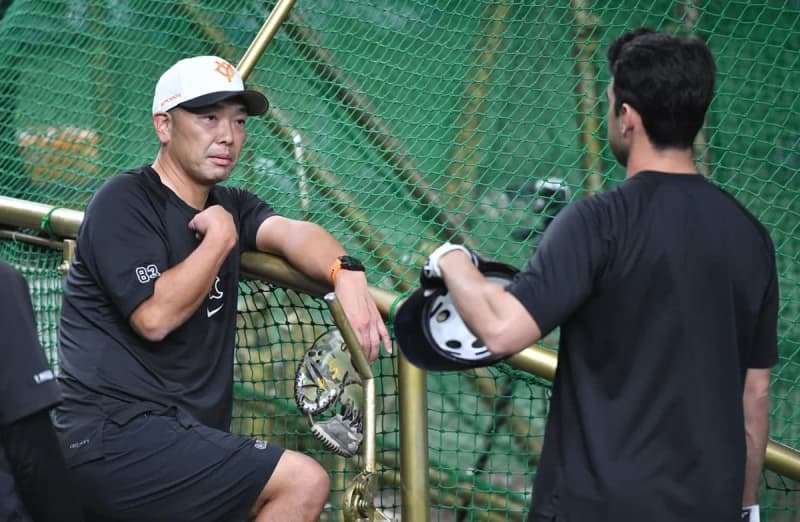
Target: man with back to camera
149	315
666	293
34	482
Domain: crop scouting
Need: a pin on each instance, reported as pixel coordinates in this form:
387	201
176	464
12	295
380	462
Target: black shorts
169	467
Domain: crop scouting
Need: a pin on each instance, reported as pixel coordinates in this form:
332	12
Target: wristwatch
345	263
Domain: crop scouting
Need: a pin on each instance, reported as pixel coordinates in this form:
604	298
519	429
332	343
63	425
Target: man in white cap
149	314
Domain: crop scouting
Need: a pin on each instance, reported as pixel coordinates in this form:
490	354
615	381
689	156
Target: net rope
399	124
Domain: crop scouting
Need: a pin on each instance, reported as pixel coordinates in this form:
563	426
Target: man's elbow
500	342
151	326
501	349
509	337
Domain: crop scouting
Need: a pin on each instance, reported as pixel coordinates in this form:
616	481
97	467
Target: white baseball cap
202	81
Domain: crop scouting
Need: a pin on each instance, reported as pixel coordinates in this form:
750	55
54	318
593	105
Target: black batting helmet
431	333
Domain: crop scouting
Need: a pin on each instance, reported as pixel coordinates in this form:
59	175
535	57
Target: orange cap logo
225	69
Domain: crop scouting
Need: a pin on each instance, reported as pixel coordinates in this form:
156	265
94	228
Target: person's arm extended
180	290
306	246
570	258
494	315
312	250
756	424
39	471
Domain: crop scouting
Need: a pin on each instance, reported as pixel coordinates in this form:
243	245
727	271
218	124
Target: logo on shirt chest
214	299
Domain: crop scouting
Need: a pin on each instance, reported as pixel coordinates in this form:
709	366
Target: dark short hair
668	79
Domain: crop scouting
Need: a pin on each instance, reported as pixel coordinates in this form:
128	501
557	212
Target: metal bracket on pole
68	249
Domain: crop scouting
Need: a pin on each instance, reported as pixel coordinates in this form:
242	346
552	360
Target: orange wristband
344	263
337	265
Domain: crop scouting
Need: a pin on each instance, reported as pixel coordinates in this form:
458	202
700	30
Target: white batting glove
431	268
751	514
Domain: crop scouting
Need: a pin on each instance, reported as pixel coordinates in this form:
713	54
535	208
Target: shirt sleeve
764	352
123	242
27	383
563	269
252	212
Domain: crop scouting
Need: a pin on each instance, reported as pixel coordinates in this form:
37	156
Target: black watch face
351	263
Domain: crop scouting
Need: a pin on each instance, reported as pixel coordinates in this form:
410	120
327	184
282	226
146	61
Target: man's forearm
325	248
306	246
179	291
494	315
756	423
466	286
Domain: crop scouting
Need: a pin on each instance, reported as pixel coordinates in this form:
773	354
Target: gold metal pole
489	505
413	389
414	462
536	360
264	37
62	222
783	460
276	269
15	236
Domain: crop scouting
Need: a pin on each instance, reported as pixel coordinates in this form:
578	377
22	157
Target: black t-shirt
134	229
27	384
666	292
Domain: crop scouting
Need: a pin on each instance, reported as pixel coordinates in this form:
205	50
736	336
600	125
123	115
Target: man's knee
309	476
298	475
320	485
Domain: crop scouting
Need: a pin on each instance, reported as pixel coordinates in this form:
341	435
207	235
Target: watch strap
344	263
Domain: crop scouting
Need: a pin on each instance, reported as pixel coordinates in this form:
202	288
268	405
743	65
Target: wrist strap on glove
432	269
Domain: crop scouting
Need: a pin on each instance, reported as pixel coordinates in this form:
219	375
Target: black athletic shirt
666	292
134	229
27	385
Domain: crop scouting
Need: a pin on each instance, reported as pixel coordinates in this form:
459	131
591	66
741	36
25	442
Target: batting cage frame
48	164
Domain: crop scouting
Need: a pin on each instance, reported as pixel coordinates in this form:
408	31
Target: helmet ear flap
431	333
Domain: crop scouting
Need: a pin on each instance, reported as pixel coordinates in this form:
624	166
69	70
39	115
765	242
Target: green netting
398	124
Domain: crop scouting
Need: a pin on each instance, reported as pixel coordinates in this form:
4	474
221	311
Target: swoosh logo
211	312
